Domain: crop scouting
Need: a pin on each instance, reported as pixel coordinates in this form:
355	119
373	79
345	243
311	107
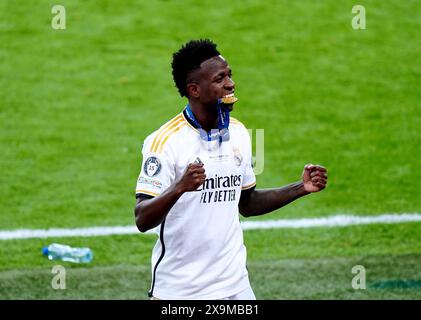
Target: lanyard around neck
222	133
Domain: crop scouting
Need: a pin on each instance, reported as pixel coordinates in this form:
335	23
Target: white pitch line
332	221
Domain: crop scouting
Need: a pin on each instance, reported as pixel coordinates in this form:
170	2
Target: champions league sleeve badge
152	166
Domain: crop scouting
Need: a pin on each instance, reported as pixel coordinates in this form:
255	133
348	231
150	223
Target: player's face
215	80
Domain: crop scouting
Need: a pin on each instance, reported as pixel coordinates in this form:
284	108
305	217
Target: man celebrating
196	178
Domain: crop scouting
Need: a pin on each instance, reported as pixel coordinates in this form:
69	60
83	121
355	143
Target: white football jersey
200	252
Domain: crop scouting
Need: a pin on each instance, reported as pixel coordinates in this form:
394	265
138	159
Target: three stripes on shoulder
166	131
172	127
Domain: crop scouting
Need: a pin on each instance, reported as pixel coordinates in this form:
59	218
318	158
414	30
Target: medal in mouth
229	99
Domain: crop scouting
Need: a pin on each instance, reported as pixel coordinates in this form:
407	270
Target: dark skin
205	86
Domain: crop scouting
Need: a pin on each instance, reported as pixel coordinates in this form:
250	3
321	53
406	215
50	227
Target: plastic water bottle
56	251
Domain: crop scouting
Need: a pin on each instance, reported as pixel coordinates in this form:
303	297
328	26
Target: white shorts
247	294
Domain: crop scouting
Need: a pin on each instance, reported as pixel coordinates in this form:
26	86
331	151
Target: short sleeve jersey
200	252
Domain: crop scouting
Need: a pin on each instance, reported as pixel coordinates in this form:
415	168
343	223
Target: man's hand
314	178
150	213
193	178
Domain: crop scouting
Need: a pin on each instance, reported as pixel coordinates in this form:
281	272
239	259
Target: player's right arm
150	212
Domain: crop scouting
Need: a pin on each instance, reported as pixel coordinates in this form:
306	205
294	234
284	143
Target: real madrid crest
238	158
152	166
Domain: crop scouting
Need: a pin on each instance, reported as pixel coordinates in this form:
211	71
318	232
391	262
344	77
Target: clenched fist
314	178
193	177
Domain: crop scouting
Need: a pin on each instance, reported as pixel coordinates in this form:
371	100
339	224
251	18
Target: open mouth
229	99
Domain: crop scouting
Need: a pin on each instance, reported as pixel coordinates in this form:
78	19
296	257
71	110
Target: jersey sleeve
249	180
157	172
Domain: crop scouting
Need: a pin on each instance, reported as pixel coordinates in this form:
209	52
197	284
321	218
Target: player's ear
193	90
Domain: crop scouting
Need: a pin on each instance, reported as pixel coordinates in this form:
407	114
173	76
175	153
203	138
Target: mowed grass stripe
320	278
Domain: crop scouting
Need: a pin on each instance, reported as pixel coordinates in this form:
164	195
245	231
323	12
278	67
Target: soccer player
196	178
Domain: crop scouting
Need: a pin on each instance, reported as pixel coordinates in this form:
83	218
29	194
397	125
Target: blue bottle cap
45	251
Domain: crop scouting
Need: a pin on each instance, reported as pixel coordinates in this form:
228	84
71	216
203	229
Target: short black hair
188	59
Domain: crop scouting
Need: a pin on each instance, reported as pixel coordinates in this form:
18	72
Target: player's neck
207	117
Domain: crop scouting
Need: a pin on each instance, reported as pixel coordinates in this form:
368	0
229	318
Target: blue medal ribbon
222	133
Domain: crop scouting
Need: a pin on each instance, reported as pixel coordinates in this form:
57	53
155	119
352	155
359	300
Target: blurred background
76	105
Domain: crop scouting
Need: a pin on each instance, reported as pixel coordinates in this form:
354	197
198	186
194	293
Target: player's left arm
257	202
